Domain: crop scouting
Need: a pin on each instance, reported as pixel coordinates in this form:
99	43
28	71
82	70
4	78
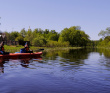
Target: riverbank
35	49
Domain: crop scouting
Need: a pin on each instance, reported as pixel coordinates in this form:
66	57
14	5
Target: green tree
40	31
8	36
105	40
19	38
74	36
29	36
23	32
14	35
39	41
64	35
46	31
53	35
105	33
84	38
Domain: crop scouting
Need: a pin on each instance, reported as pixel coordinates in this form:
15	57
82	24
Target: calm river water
64	71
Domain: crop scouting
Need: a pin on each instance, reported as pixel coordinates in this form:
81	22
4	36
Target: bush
39	42
57	44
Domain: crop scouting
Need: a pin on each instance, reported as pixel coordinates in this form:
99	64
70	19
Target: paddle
31	51
39	50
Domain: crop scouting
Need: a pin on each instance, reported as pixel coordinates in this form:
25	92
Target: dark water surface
67	71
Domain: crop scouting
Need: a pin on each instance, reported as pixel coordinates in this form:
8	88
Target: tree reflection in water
70	58
14	62
75	57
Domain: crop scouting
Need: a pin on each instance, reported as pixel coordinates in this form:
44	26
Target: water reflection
67	57
76	57
25	62
14	62
64	71
1	68
105	59
2	62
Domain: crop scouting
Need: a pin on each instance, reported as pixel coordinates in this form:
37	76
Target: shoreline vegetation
68	37
13	49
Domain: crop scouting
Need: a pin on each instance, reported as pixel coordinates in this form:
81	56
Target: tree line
105	40
72	36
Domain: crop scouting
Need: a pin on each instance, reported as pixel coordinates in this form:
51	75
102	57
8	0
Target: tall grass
13	49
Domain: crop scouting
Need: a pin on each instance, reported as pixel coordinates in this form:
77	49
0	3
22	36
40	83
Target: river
64	71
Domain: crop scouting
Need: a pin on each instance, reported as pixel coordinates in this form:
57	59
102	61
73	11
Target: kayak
21	55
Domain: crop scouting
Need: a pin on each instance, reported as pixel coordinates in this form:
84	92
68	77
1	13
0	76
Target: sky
91	15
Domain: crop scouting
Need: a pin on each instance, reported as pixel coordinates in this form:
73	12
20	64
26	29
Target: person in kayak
25	49
2	49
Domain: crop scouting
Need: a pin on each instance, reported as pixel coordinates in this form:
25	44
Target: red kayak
21	55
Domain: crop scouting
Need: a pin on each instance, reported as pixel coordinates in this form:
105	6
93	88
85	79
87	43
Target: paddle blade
41	49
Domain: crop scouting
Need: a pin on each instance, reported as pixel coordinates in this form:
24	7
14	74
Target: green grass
35	49
12	48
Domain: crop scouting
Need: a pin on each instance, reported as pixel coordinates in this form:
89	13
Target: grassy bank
35	49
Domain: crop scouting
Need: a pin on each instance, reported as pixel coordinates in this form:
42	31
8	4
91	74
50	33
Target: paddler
25	49
2	48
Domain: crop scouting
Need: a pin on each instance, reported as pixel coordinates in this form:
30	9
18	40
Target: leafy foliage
39	41
72	36
105	40
19	38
